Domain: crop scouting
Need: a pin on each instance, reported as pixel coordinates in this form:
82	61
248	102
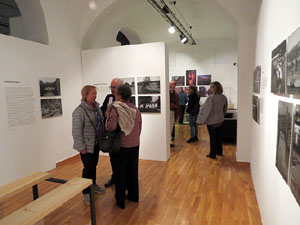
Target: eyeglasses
112	86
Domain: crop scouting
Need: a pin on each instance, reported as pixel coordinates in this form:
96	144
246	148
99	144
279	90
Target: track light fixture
162	8
172	29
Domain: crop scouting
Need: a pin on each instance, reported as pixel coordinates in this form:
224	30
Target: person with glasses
110	98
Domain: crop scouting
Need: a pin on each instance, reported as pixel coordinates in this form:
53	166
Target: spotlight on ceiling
166	9
183	39
172	30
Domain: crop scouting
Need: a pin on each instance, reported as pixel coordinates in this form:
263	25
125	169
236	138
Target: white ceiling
207	21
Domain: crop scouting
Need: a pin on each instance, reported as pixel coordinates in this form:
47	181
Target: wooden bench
21	184
35	211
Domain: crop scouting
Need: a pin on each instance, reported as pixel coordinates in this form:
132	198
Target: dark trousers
215	138
90	161
113	164
181	115
127	175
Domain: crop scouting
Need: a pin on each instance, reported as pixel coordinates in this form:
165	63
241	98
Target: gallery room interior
51	49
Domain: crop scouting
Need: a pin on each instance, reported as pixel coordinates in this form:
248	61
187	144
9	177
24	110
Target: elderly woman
212	114
121	112
87	125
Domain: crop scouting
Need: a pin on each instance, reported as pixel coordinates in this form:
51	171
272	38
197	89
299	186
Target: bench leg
35	192
92	205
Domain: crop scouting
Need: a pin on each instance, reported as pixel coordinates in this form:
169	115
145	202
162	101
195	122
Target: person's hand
83	152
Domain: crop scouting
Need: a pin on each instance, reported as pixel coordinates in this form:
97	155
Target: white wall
39	146
102	65
215	57
277	20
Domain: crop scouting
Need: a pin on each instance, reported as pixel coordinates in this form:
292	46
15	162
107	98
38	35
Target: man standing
182	102
174	106
115	83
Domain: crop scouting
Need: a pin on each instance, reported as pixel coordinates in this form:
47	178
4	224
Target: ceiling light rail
162	8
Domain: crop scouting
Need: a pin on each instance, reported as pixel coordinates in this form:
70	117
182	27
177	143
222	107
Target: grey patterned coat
83	131
213	110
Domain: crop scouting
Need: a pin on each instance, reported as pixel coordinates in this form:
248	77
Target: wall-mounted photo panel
149	103
148	85
49	87
203	79
278	71
51	108
190	77
203	91
132	100
293	63
295	158
284	135
178	89
255	108
256	79
131	82
179	80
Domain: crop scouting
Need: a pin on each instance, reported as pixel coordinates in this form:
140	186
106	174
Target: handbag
108	141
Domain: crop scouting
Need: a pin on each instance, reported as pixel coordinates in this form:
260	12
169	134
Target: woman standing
87	125
128	117
192	110
212	114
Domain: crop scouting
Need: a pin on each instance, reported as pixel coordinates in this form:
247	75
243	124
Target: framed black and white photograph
255	108
149	103
49	87
131	82
256	79
295	158
179	80
203	79
132	100
284	137
148	85
203	91
278	78
51	108
293	63
190	77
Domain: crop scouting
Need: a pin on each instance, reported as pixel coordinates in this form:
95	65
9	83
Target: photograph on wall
51	108
49	87
178	89
203	79
295	158
203	91
256	79
132	100
149	103
131	82
148	85
179	80
190	77
278	77
284	135
255	108
293	63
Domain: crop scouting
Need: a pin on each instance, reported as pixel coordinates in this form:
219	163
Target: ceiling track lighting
162	8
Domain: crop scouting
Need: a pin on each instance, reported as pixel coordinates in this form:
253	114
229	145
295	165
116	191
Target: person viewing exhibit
212	114
121	112
183	99
87	126
174	107
109	99
193	110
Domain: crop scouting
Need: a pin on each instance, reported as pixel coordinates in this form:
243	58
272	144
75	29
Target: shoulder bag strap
94	126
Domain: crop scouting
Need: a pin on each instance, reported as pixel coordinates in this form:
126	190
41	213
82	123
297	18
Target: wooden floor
188	189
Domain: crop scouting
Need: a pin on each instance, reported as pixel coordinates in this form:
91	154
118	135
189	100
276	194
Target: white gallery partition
100	66
277	21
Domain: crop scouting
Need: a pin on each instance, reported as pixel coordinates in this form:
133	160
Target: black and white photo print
149	103
255	108
278	71
51	108
148	85
256	79
131	82
49	87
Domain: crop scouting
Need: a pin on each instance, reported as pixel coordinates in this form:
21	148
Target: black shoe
121	204
172	146
196	139
131	199
109	183
219	154
209	156
190	140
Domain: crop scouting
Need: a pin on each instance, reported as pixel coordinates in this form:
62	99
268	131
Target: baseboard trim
68	160
243	164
